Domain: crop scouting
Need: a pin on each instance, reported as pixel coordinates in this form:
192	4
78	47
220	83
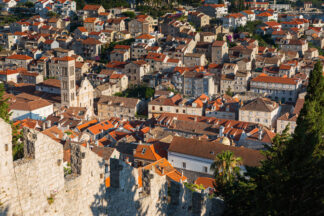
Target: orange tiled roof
146	152
82	29
96	129
91	7
20	57
264	14
163	167
86	124
90	20
145	36
205	182
270	79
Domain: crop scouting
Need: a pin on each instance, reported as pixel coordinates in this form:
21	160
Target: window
106	168
184	165
205	169
161	108
153	107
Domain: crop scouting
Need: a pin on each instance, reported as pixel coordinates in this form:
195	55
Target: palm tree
226	166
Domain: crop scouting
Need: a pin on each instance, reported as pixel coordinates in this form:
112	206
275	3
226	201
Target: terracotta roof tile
209	150
271	79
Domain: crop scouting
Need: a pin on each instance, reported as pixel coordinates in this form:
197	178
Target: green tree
29	4
226	167
52	14
17	146
129	14
4	106
229	92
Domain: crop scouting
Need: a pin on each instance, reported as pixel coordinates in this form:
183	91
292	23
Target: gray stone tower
68	86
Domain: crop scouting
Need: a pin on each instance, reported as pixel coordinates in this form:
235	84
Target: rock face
35	185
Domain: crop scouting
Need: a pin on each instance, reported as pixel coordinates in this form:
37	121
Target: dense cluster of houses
216	88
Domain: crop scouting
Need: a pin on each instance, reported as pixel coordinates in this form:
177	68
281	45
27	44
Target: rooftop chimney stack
221	131
260	134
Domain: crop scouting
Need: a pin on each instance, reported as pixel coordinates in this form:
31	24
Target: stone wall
35	185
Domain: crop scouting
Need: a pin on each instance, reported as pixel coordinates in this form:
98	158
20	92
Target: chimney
64	137
43	126
260	134
48	123
221	131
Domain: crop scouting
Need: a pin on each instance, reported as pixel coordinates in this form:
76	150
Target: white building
7	4
277	88
25	106
260	111
234	20
196	156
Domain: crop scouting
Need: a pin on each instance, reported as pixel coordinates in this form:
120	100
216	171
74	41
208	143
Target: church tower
68	86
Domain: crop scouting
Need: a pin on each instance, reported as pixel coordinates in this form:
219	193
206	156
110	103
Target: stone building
175	104
111	106
290	117
140	26
199	19
260	110
68	85
85	96
91	11
19	60
196	84
219	52
236	83
277	88
136	70
194	59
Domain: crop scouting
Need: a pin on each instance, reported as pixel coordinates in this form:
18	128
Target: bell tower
68	88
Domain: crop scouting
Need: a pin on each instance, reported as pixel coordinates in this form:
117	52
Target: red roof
218	43
102	126
20	57
82	29
205	182
214	5
117	46
66	58
272	23
145	36
270	79
91	7
116	76
264	14
90	20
